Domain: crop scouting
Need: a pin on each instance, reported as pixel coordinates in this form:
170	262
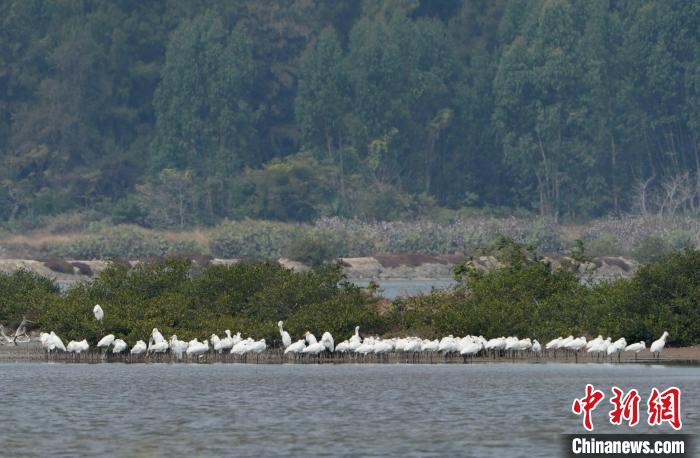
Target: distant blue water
395	288
161	410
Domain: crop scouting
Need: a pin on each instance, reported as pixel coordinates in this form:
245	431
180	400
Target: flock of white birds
465	346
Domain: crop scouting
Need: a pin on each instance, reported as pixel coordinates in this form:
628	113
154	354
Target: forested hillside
180	113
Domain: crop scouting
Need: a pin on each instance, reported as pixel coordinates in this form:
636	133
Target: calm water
500	410
392	289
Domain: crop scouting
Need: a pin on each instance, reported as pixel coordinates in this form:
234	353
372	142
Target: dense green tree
323	102
570	109
204	116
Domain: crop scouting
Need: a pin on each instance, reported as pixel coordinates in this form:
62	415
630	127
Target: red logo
624	407
662	407
587	404
665	407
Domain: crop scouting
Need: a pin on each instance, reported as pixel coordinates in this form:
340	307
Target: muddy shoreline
33	353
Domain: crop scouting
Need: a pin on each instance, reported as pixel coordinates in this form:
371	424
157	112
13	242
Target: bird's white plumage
106	341
636	347
139	348
119	346
296	347
98	312
286	338
657	346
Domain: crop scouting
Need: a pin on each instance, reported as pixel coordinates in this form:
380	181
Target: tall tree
204	116
323	102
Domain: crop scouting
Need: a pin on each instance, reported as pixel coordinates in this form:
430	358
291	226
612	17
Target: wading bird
286	339
315	347
98	312
296	347
658	345
77	347
106	341
119	346
139	348
636	348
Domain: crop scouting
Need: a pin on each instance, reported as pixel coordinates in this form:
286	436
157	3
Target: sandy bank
380	267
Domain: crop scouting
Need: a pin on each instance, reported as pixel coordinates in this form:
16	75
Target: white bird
597	341
356	337
241	347
139	348
106	341
327	341
601	347
617	347
315	347
448	345
342	347
636	347
498	343
159	347
119	346
256	347
77	347
524	344
286	339
224	344
353	345
44	339
383	346
367	346
178	346
98	312
414	345
553	344
215	341
237	338
576	344
157	336
197	348
55	342
657	346
471	348
512	343
310	338
296	347
429	345
536	346
564	342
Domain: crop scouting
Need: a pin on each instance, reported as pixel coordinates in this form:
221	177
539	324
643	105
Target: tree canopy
370	109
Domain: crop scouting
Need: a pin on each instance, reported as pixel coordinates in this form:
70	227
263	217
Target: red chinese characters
587	404
624	407
665	407
662	407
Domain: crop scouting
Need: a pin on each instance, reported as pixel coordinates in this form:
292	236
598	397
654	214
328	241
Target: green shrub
650	249
680	239
253	239
25	294
116	242
128	210
316	247
607	245
523	297
246	297
184	247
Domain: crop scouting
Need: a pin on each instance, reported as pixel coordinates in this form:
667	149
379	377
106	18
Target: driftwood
21	334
